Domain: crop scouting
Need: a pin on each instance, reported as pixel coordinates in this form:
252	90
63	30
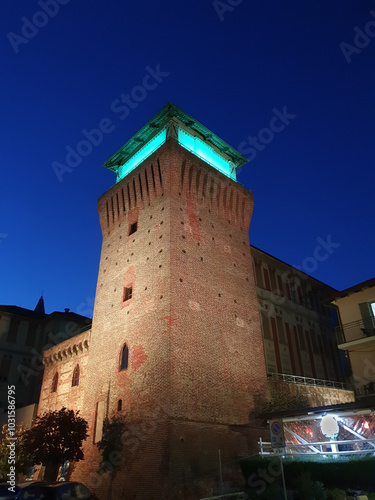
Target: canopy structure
327	432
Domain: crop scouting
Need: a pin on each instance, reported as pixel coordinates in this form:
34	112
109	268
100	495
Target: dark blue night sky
232	65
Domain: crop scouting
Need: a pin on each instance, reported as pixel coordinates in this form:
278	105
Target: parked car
57	491
6	494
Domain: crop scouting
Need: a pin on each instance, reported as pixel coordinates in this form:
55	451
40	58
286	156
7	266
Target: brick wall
61	359
191	325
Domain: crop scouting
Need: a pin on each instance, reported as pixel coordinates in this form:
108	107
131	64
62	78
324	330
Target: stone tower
176	344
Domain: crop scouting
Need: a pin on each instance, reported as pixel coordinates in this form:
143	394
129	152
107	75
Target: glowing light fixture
206	153
329	426
173	123
142	154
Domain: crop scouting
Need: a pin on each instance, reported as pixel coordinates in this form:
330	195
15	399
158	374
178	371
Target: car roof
53	485
29	483
60	483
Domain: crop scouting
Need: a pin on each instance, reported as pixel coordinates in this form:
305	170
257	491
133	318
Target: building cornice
76	346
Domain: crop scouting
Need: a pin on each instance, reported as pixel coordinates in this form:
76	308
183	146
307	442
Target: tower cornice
192	135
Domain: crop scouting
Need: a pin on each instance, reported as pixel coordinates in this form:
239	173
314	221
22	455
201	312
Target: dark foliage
301	475
21	461
111	445
282	400
55	437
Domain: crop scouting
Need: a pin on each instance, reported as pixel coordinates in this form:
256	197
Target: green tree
110	447
21	461
55	437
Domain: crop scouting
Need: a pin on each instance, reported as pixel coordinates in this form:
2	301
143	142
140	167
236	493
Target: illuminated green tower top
171	121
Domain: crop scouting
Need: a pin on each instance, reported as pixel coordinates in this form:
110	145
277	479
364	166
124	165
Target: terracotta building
176	343
298	327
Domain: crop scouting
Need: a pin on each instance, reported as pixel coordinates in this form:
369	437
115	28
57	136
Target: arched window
55	382
124	360
119	405
75	378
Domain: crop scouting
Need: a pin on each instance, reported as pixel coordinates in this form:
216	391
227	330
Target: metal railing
365	390
348	447
356	330
297	379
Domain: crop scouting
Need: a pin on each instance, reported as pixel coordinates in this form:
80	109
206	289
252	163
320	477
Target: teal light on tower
206	153
171	121
147	150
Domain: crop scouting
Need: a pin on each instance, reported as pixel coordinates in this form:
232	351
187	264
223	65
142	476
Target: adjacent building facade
356	334
24	335
298	326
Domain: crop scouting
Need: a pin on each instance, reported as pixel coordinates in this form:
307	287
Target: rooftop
355	288
190	134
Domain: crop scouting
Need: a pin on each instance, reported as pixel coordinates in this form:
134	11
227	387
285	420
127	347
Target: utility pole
221	474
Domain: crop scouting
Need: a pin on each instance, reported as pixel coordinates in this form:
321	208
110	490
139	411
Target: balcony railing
365	390
355	330
297	379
